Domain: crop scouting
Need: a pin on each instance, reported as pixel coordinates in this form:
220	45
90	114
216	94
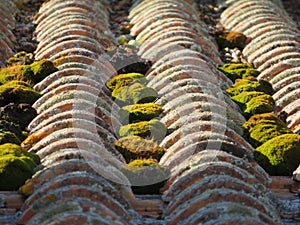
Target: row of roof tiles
72	133
274	49
195	106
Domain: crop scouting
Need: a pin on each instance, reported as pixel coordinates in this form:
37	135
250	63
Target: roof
213	177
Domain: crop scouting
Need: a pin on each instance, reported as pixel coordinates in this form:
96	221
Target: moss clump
153	129
133	94
32	73
125	79
17	72
21	58
139	112
238	70
135	147
262	127
16	166
41	69
17	92
137	163
254	102
250	84
231	39
280	155
259	104
146	176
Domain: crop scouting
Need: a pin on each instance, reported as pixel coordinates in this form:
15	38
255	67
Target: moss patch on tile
279	156
139	112
135	147
250	84
32	73
146	176
17	92
125	79
262	127
254	102
260	104
153	129
41	69
238	70
16	166
20	58
133	94
18	72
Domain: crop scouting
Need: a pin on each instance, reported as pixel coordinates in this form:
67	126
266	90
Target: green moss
18	72
146	176
21	58
32	73
42	69
139	112
137	163
250	84
147	129
262	127
231	39
133	94
16	166
259	104
280	155
125	79
238	70
17	92
135	147
253	102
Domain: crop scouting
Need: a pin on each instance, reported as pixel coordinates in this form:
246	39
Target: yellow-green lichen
16	166
231	39
125	79
238	70
17	92
139	112
262	127
135	147
250	84
280	155
153	129
133	94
